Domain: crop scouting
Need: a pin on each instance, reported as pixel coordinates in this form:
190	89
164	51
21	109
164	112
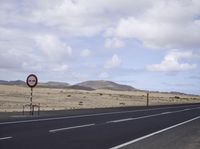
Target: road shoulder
186	136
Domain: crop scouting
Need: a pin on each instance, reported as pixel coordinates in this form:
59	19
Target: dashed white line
136	118
147	116
5	138
68	128
120	120
154	133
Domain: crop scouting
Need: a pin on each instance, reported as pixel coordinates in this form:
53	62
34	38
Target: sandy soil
12	98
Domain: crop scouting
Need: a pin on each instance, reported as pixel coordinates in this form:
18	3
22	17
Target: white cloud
85	53
76	18
114	62
53	48
70	17
172	62
22	51
143	20
16	50
166	24
114	43
54	53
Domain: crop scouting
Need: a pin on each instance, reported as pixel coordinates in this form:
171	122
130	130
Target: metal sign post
31	102
31	82
147	98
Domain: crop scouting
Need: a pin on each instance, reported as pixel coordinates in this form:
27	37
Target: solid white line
68	128
5	138
154	133
88	115
147	116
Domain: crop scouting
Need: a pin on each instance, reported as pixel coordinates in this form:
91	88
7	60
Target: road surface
125	128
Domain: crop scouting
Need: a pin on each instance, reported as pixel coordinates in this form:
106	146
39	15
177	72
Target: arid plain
12	98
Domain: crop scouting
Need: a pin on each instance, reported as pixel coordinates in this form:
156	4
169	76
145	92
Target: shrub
177	97
80	103
122	103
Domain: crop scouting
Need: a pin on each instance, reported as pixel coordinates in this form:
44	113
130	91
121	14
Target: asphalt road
100	128
186	136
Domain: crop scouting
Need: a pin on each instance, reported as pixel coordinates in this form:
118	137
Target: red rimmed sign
32	80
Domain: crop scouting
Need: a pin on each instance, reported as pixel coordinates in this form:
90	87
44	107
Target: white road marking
154	133
120	120
166	112
68	128
87	115
147	116
5	138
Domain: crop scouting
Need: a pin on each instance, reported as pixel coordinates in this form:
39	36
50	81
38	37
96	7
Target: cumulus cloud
16	53
85	53
114	62
54	53
143	20
173	62
167	24
22	51
76	18
70	17
53	48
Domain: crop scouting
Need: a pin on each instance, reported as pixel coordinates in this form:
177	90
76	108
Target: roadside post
147	98
31	81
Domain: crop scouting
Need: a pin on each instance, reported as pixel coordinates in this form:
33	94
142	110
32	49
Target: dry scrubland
12	98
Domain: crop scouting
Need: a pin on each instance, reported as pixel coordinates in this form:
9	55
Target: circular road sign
32	80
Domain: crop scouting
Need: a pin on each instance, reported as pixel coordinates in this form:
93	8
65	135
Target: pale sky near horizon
149	44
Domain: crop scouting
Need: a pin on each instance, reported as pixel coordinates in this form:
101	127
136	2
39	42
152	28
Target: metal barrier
32	108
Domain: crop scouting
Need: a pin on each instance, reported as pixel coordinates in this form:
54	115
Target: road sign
32	80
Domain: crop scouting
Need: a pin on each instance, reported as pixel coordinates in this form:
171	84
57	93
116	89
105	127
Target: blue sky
149	44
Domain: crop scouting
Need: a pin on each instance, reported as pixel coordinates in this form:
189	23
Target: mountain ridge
103	84
15	82
89	86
